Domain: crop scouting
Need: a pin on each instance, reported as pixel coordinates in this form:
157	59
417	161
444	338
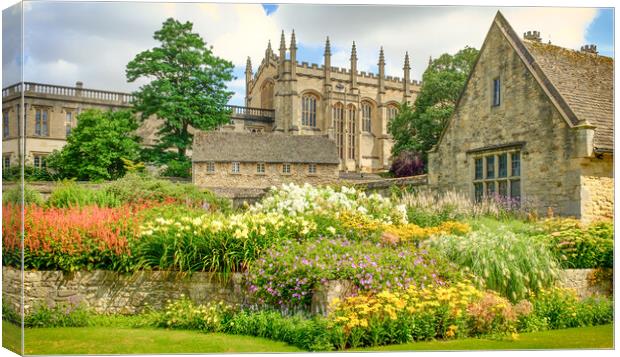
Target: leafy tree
187	90
417	127
97	146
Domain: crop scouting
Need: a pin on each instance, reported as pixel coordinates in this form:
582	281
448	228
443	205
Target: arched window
266	95
308	110
339	128
392	112
366	116
352	130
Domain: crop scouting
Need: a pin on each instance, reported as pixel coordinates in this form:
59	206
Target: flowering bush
70	239
215	242
511	264
420	314
288	272
184	314
561	308
293	200
580	247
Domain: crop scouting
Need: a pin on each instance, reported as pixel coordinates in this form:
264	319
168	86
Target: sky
92	42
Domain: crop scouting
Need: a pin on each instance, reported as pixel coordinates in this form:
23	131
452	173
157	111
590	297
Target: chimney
78	88
589	49
532	36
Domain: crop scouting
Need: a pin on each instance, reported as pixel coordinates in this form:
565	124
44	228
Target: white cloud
92	42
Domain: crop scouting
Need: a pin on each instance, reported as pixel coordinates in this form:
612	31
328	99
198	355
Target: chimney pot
532	36
589	49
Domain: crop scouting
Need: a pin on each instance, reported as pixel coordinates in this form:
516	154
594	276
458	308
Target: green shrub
61	315
10	314
135	188
70	194
31	173
561	308
310	334
512	264
14	196
580	247
184	314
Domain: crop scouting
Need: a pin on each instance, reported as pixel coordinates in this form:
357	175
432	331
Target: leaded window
286	168
260	168
392	112
210	167
235	168
496	92
339	128
352	131
68	122
40	161
498	175
308	110
366	117
312	168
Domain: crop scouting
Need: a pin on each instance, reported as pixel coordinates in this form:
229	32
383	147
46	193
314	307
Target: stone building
534	123
259	160
50	114
351	107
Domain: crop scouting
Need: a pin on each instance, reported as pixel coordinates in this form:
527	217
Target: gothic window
366	116
308	110
352	131
5	124
493	179
266	95
392	112
339	128
41	125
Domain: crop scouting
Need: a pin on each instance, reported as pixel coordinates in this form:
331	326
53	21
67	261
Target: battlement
591	48
532	36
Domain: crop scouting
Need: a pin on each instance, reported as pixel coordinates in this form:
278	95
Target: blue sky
61	37
600	31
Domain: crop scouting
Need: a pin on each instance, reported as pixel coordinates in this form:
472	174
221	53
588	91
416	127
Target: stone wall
597	189
112	292
588	282
273	176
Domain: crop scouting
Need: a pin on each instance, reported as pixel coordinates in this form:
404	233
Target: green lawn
110	340
583	337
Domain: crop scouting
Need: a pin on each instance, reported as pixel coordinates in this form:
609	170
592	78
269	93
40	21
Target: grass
96	340
113	340
584	337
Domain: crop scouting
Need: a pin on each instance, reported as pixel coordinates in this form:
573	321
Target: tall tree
417	128
187	88
98	146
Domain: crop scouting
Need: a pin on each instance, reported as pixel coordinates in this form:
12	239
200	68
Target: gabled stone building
260	160
534	123
351	107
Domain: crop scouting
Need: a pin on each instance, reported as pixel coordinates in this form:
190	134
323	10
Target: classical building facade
260	160
50	113
534	124
351	107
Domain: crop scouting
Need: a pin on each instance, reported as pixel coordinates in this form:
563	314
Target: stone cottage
259	160
534	123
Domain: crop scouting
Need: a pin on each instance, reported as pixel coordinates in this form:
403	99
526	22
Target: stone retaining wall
117	293
112	292
588	282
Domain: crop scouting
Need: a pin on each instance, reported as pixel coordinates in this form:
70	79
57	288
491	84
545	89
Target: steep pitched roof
264	147
580	85
585	83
